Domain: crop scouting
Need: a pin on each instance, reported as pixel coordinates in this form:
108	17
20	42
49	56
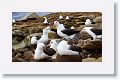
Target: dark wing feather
49	51
38	37
69	31
97	31
75	48
54	30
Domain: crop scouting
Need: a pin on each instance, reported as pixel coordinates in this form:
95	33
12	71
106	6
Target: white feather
39	54
34	40
60	17
45	21
67	17
88	22
44	37
63	49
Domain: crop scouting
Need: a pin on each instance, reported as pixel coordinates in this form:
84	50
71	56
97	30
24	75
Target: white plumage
63	32
60	17
39	54
13	20
72	27
45	21
53	44
88	22
67	17
63	49
44	37
88	30
34	40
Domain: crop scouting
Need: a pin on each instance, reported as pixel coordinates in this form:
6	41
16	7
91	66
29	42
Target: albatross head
56	23
86	28
72	27
45	18
88	22
40	46
46	30
53	44
60	17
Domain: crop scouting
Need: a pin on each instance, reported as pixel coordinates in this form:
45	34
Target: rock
83	18
84	36
89	60
33	30
52	35
99	59
92	48
26	41
80	43
97	25
20	51
98	19
18	55
17	60
68	58
28	56
17	33
97	43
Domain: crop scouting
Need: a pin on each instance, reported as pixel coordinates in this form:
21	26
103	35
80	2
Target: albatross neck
91	33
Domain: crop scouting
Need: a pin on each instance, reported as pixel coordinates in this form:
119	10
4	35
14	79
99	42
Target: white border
104	67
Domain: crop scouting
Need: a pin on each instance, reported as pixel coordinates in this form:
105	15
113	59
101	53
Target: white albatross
39	53
44	38
63	32
65	49
72	27
88	22
52	49
60	17
95	33
42	52
45	21
67	18
34	40
13	20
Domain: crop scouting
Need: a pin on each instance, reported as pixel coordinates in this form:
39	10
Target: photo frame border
104	67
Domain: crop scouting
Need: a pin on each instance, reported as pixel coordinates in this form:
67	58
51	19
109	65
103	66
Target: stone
99	59
28	56
18	60
89	60
98	19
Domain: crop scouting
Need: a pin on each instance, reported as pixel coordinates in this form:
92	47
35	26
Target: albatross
42	52
41	39
39	53
44	37
63	32
95	33
68	53
65	49
52	49
60	17
72	27
88	22
45	21
13	20
67	17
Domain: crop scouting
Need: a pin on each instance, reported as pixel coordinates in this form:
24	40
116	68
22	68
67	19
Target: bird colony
58	40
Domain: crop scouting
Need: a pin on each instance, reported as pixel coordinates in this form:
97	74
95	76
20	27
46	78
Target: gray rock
98	19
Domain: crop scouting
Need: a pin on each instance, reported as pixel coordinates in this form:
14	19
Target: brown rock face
68	58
